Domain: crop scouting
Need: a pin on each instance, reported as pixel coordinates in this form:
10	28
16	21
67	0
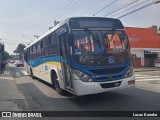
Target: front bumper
85	88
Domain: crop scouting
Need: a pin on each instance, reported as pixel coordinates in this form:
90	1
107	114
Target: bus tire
57	86
32	76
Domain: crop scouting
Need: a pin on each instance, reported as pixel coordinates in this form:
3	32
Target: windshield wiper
95	37
113	31
90	33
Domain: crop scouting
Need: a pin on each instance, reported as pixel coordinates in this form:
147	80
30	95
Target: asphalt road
41	96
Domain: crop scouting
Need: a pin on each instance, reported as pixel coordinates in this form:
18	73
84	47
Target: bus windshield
100	47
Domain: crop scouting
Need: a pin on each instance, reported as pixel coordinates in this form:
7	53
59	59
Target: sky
20	20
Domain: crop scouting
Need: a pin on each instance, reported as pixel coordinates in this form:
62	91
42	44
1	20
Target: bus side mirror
128	45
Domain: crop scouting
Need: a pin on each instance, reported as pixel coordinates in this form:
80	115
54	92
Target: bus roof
66	21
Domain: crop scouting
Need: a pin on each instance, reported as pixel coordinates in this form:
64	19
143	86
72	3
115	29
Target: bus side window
39	49
45	46
53	48
34	50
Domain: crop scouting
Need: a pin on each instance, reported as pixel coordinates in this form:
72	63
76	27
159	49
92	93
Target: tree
6	55
159	29
20	50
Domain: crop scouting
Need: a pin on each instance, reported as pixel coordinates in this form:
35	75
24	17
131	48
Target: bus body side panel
35	65
48	66
42	67
53	63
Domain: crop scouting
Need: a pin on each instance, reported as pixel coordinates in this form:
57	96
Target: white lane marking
147	77
6	78
156	79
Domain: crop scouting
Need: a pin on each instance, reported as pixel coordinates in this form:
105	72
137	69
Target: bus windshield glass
97	47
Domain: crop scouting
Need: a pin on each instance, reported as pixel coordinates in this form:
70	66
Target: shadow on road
122	100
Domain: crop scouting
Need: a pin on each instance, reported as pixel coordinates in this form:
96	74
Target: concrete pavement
10	96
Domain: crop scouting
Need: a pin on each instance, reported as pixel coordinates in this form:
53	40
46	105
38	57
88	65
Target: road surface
41	96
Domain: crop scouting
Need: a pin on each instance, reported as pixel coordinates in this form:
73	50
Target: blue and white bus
83	55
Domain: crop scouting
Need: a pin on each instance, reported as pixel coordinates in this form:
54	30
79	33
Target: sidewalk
10	97
143	69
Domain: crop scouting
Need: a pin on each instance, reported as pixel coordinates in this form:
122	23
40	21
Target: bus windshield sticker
77	53
46	67
110	59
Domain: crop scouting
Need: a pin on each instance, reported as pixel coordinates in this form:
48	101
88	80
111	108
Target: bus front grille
111	85
107	71
109	78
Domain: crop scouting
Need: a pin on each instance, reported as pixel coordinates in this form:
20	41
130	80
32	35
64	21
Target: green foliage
6	55
20	50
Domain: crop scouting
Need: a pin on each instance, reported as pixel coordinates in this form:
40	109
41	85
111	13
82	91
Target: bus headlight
82	76
129	72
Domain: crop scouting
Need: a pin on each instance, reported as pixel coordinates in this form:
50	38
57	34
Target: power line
76	7
10	40
55	16
147	5
64	8
15	42
131	8
70	9
105	7
97	3
11	45
122	7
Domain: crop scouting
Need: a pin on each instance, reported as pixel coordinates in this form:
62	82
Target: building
145	45
1	54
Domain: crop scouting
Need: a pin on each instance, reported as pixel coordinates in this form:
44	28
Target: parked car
11	61
19	63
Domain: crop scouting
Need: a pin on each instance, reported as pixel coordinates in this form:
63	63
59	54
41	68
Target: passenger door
65	60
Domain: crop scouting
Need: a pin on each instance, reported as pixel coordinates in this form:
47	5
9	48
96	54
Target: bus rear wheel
57	86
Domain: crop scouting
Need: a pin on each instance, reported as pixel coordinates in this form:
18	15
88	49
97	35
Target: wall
143	37
139	54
